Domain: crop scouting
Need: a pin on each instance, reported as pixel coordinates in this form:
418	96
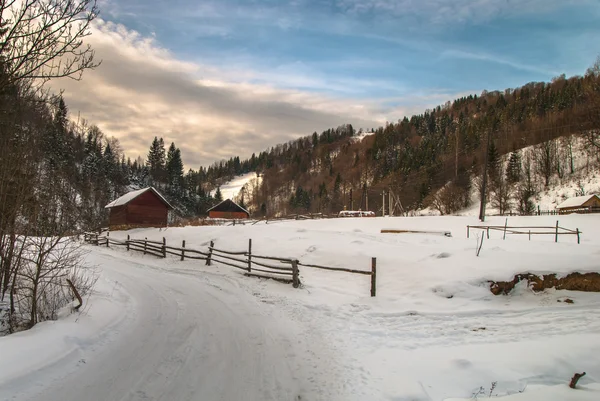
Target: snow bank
434	331
60	342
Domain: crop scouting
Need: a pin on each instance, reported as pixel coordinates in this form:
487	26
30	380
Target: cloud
498	60
450	11
141	90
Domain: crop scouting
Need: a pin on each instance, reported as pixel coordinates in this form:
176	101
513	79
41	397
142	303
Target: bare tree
39	40
590	122
545	156
43	39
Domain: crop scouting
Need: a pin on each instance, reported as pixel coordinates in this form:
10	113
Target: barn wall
227	215
117	216
147	209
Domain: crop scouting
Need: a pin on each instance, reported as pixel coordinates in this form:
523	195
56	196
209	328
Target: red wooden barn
144	207
228	209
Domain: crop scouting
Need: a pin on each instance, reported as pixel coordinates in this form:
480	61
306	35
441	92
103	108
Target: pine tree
513	170
156	160
174	170
218	195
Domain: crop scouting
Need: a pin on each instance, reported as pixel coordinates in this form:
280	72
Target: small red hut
228	209
144	207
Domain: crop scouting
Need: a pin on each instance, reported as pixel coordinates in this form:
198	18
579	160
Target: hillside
415	157
575	171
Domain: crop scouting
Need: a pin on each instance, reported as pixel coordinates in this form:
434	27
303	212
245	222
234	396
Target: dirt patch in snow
588	282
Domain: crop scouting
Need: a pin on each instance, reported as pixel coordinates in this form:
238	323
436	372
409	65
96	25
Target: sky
224	78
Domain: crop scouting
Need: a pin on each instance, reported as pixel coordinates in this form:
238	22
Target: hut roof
228	206
129	196
576	201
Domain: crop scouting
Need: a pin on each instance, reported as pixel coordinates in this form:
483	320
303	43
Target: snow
576	201
183	330
129	196
232	188
361	136
585	178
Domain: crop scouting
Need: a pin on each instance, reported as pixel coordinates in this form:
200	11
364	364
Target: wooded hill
77	166
416	157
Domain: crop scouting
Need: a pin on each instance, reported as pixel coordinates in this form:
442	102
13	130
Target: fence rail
527	230
287	271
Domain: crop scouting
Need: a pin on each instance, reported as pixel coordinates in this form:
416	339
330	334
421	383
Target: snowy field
168	330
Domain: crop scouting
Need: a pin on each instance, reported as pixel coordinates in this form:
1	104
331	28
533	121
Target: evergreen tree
56	141
174	170
218	196
513	170
156	160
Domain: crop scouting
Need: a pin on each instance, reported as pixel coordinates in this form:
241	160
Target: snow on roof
129	196
576	201
228	201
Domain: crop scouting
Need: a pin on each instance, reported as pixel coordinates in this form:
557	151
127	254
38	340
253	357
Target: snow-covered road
184	337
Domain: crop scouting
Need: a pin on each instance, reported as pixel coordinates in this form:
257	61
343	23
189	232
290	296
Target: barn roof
228	206
576	201
129	196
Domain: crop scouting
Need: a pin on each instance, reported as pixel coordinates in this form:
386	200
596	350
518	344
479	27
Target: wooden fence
281	269
527	230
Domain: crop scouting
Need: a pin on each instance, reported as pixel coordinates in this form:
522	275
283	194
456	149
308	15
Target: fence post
373	276
556	235
529	235
164	247
505	224
107	235
467	231
249	255
577	229
212	244
128	242
488	232
295	278
182	250
145	244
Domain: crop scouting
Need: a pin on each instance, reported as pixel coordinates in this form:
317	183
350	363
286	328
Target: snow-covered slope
232	188
434	331
584	180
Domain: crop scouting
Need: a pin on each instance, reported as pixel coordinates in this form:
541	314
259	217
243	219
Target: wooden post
76	293
488	233
128	242
577	229
505	225
249	255
556	235
295	278
107	240
467	231
212	244
164	247
145	244
529	235
373	276
182	250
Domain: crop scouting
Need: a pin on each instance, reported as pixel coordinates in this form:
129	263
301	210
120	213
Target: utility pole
484	184
383	207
